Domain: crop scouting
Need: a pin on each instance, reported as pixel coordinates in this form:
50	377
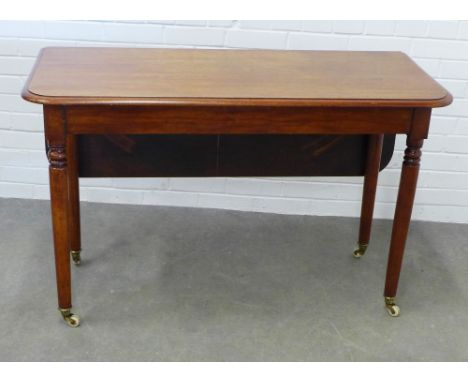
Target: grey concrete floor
167	284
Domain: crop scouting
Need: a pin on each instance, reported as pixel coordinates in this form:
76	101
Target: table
112	112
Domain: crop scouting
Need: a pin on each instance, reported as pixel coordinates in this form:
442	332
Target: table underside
225	155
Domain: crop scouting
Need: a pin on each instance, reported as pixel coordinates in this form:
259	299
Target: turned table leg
74	200
59	198
374	153
404	206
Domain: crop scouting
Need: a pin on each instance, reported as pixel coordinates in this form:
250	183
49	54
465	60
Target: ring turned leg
74	201
59	204
404	206
374	154
59	199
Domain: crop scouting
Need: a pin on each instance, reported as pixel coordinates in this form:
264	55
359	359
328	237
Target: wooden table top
68	76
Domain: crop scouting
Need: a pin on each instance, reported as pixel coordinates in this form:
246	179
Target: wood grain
230	77
105	119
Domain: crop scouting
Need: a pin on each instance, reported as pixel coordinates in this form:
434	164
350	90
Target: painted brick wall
440	47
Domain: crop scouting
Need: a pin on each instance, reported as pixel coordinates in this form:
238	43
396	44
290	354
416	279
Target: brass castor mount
392	309
76	257
360	250
71	319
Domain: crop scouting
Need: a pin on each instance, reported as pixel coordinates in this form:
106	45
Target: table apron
108	119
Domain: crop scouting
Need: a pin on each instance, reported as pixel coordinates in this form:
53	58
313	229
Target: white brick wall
440	47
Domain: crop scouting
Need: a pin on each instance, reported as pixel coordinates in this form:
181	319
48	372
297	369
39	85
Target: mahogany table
119	112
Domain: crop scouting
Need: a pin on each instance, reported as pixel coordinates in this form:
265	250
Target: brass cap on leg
360	250
71	319
76	257
392	308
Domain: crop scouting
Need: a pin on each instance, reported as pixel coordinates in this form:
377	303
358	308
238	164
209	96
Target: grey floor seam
186	284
